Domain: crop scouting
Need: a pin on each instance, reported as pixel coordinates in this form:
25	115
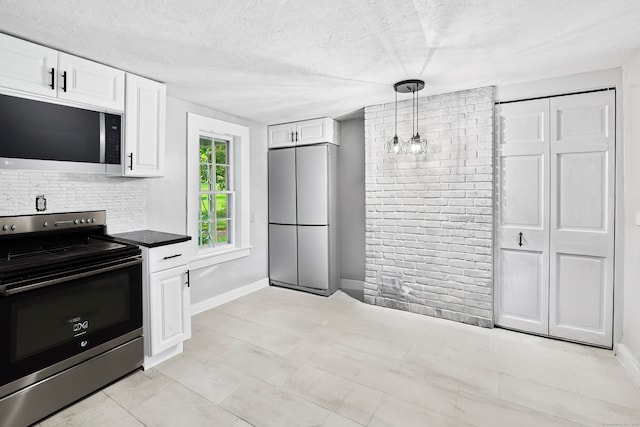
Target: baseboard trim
356	285
629	362
228	296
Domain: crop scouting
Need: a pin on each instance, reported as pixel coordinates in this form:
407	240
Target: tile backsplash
124	199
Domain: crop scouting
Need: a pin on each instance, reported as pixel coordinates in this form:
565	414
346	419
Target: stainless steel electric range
70	312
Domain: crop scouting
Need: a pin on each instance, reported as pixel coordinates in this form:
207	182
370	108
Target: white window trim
197	125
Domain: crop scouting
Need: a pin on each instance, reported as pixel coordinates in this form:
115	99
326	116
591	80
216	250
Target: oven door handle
8	292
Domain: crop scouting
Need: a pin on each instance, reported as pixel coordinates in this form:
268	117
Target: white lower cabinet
169	304
167	317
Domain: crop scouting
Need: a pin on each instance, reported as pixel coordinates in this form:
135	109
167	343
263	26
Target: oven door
47	329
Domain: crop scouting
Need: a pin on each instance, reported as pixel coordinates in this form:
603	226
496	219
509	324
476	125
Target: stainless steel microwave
47	136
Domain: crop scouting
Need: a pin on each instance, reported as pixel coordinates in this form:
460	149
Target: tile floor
283	358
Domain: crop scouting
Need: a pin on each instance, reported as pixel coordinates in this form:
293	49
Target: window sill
217	257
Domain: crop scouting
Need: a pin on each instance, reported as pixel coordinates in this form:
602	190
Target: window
218	190
215	226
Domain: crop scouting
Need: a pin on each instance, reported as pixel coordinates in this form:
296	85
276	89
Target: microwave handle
103	137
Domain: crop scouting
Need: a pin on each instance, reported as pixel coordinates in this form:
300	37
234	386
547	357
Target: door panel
313	256
283	254
524	292
580	292
523	192
282	186
582	215
522	176
312	185
582	192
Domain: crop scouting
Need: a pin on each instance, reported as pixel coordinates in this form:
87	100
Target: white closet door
582	217
522	271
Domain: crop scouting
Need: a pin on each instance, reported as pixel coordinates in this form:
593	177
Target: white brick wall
429	217
124	199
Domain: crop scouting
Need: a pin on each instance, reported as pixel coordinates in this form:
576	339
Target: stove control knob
5	227
75	221
13	227
46	224
93	220
82	220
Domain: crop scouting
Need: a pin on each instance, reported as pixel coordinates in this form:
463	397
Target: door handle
188	279
520	238
52	85
64	81
292	137
131	161
296	136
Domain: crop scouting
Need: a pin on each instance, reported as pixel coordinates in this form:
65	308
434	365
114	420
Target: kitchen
162	203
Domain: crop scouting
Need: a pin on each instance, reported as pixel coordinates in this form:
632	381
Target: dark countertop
150	238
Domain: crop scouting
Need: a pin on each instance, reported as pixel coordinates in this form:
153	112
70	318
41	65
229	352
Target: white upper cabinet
306	132
37	70
145	112
282	135
88	82
27	67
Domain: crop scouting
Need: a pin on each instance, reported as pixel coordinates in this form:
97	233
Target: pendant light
416	143
395	145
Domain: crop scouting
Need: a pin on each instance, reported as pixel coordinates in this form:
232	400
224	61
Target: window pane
223	206
205	207
221	152
222	173
204	176
222	231
205	149
204	238
205	163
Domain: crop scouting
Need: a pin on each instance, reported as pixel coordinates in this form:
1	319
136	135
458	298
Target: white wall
429	217
167	202
631	310
351	200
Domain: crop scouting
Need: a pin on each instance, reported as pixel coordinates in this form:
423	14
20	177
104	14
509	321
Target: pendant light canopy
416	144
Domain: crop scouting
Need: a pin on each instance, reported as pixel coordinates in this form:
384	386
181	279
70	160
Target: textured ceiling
279	60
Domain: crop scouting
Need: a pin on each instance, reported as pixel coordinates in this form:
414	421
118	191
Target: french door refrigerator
303	235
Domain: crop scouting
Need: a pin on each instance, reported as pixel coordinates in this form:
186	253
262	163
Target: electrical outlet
41	203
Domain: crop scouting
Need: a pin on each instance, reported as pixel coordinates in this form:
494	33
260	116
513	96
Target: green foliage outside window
215	194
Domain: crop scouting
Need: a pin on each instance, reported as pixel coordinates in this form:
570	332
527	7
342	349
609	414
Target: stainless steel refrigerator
303	229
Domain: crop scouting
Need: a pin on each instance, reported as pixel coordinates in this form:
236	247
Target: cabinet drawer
169	256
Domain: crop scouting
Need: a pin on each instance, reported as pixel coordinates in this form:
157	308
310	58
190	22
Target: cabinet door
312	131
169	309
145	109
88	82
282	135
27	66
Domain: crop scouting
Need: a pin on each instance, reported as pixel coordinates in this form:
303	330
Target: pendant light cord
396	120
417	117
